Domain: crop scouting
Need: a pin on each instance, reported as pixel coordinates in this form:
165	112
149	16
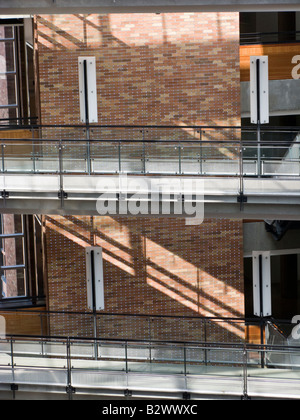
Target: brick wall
179	69
151	266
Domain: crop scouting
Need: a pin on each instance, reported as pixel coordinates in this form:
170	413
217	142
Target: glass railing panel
280	375
5	352
55	349
124	327
191	159
116	134
112	356
220	159
43	375
281	160
27	348
139	352
177	329
225	331
46	157
6	372
225	356
80	325
162	158
105	157
132	157
84	350
39	353
196	356
167	359
74	157
17	157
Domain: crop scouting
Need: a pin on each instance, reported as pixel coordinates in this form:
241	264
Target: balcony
66	169
149	364
132	6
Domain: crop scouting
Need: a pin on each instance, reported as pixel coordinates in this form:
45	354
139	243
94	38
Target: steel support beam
20	7
217	208
274	199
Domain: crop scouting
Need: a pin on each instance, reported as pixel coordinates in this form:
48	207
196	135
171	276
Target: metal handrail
154	126
199	344
232	160
243	361
261	37
47	314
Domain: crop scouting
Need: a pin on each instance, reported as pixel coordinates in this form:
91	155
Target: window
17	85
12	258
9	103
21	260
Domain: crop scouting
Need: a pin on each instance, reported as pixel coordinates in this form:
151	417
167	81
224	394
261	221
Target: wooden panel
253	334
25	322
24	147
16	134
280	59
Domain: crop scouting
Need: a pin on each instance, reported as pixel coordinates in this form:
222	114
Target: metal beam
275	199
19	7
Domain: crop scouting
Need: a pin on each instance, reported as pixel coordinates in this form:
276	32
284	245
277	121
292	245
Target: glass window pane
11	223
6	32
8	90
7	60
12	251
13	283
8	113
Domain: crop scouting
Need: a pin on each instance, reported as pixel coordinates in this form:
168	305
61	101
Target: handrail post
241	159
205	341
184	359
259	166
95	335
61	179
13	385
144	153
33	156
262	328
126	356
41	321
150	338
2	157
88	151
241	169
69	388
12	360
119	156
179	159
245	374
201	153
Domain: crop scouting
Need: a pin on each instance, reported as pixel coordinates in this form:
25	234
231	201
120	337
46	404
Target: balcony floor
267	198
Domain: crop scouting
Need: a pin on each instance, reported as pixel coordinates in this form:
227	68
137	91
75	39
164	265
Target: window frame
33	274
15	72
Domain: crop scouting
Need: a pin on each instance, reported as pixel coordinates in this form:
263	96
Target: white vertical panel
266	285
2	327
98	274
264	89
91	89
256	284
